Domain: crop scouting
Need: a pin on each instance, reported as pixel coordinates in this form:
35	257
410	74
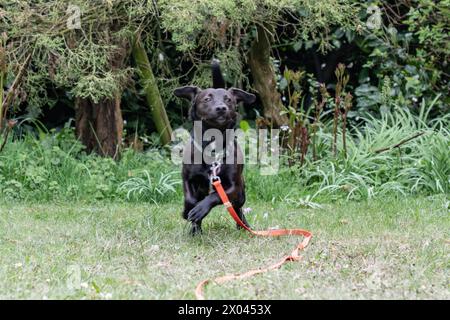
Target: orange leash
294	256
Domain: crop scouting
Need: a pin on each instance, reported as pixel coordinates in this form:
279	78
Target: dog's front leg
203	207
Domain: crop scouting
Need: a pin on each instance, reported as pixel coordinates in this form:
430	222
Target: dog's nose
221	109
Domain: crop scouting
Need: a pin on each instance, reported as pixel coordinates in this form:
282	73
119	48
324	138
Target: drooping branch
9	96
11	124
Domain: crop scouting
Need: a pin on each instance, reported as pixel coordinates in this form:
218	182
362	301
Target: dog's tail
218	80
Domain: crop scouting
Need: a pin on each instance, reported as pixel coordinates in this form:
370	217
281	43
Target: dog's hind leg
237	205
241	216
188	205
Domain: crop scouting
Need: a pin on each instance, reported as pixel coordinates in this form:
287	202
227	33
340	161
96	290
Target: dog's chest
198	173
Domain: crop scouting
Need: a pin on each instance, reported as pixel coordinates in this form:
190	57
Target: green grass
379	249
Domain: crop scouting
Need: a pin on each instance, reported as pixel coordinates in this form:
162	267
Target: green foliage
54	167
420	166
232	67
402	62
86	62
210	23
402	84
428	20
148	189
402	171
406	60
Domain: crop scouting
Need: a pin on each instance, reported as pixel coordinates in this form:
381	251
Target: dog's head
215	107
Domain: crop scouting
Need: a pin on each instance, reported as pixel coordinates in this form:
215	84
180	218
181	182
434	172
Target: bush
55	167
420	166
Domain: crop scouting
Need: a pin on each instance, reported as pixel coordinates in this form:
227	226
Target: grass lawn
388	249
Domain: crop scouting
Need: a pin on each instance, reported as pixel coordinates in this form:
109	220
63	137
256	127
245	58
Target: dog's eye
227	100
207	99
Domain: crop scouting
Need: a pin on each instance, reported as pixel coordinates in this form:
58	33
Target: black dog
215	108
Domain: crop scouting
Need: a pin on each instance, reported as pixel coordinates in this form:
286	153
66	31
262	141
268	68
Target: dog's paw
196	229
197	213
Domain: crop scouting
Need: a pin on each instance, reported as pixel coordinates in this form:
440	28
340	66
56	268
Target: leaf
244	125
96	287
350	35
283	84
297	46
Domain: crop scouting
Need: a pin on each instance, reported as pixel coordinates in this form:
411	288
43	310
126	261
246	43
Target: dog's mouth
219	120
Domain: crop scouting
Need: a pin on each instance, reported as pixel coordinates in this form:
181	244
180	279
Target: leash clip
215	167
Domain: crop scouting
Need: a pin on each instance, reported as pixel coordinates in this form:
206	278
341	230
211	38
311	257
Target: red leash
294	256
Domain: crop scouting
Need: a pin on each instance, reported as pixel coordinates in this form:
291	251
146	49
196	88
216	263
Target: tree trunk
264	78
99	126
153	96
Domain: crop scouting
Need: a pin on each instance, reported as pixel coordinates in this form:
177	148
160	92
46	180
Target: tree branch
12	90
400	143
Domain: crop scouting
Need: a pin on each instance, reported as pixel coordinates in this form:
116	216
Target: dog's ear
187	92
242	96
193	113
